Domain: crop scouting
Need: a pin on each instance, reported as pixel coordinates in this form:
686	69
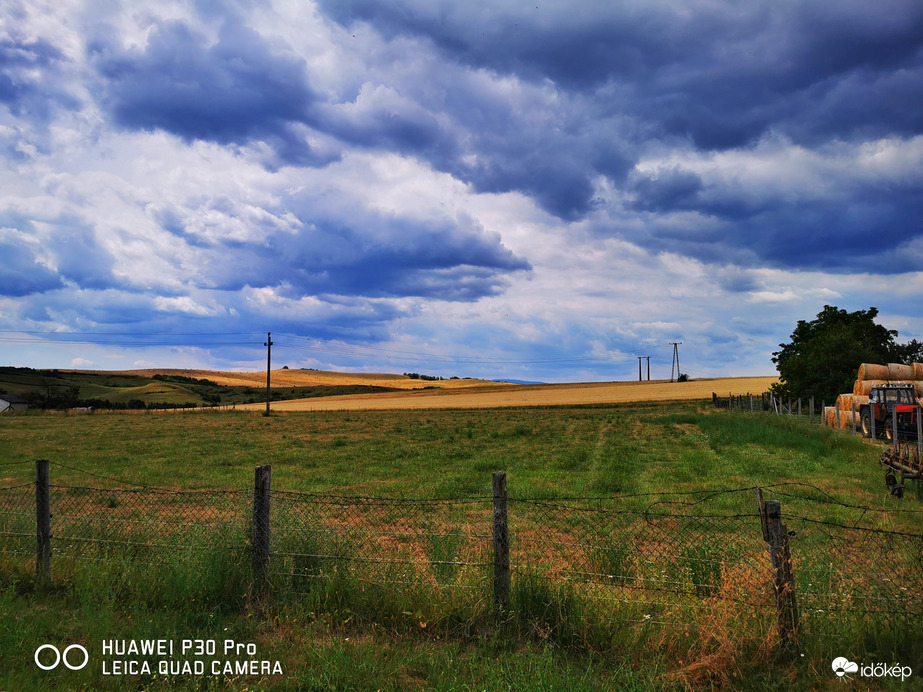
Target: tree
824	355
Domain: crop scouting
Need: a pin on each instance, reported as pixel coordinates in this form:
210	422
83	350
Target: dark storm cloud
388	257
722	74
80	257
233	92
719	75
670	190
70	247
866	224
21	274
29	80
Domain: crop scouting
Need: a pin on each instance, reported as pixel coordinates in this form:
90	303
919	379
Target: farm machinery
890	406
893	410
900	466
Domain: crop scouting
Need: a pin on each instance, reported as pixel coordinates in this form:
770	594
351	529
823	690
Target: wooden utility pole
268	346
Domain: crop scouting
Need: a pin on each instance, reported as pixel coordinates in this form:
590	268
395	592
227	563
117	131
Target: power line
181	339
433	357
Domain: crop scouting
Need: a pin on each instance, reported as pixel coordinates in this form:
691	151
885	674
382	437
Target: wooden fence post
775	533
42	523
920	431
811	408
855	416
259	538
501	531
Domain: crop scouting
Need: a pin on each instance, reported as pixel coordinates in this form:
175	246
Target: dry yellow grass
464	393
308	378
492	395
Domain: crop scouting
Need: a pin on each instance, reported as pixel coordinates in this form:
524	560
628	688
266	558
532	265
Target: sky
523	190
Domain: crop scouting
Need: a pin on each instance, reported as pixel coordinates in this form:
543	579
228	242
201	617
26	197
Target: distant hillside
286	377
160	389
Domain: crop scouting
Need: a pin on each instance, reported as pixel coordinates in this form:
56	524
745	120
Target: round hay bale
830	416
871	371
918	371
864	387
844	402
846	418
899	371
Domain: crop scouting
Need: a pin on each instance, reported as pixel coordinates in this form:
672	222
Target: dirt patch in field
511	395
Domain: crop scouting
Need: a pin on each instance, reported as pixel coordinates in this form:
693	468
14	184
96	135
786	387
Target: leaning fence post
501	532
259	538
42	523
775	533
894	437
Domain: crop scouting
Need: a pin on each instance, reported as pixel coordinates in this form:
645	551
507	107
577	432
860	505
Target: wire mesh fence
655	558
442	544
662	561
93	523
858	570
17	519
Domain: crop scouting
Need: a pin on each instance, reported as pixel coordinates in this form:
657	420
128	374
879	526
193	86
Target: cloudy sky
531	190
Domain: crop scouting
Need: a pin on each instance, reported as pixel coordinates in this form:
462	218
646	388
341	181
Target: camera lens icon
59	656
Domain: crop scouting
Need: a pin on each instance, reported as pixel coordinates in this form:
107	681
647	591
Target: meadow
343	634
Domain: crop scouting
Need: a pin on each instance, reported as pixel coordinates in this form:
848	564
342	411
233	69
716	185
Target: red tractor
887	403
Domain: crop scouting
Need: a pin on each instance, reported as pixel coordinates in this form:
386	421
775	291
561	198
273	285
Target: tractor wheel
890	480
866	424
894	488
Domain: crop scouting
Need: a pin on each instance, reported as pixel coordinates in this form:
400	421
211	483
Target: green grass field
348	635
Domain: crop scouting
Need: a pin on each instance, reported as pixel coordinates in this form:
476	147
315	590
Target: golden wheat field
464	393
308	378
482	394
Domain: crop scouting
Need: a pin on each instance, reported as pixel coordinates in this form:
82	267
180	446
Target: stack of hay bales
846	411
872	375
894	373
